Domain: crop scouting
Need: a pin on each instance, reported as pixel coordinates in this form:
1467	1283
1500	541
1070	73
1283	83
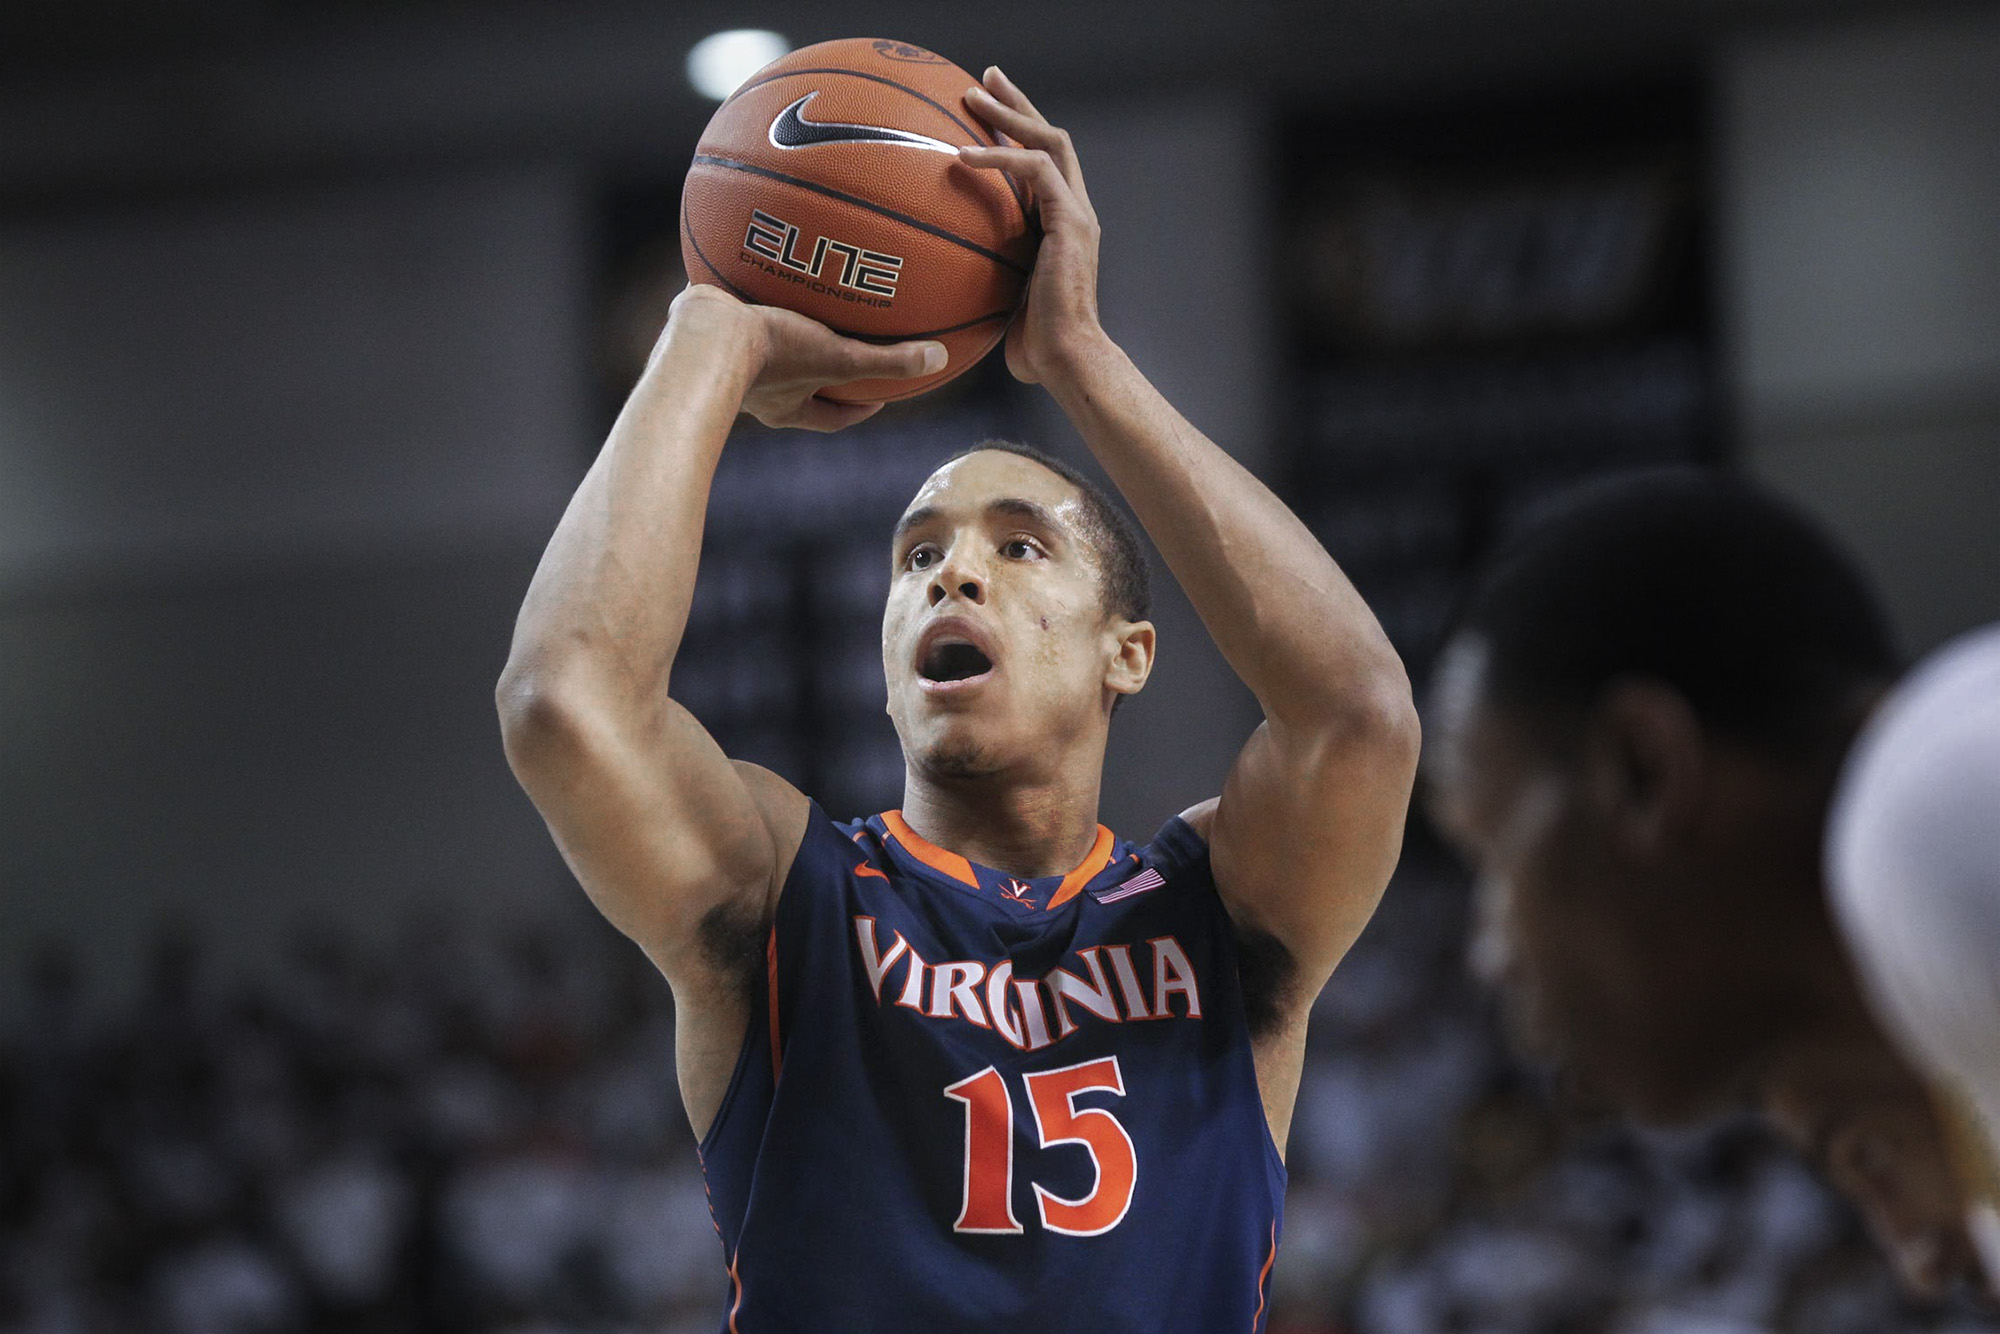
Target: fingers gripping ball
830	184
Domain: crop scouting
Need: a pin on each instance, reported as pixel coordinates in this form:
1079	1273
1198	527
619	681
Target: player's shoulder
826	848
1181	843
785	811
1200	817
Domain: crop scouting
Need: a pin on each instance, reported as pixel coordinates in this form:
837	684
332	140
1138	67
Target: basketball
829	184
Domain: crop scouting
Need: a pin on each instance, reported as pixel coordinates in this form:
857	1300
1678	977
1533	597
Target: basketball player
1914	850
977	1062
1637	727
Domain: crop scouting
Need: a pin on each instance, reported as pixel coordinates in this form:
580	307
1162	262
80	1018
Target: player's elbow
1378	721
1394	728
543	717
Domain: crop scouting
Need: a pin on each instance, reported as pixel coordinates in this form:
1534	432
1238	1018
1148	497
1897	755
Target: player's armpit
1304	837
679	847
1266	970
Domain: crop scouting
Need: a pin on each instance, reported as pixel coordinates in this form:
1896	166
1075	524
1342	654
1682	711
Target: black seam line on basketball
885	340
731	164
1014	187
688	232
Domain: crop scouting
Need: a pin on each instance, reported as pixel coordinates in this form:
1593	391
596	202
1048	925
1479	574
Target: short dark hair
1705	582
1124	576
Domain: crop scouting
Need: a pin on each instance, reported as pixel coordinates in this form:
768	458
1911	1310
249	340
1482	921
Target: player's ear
1132	659
1644	760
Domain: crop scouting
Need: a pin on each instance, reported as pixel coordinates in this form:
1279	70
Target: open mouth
953	660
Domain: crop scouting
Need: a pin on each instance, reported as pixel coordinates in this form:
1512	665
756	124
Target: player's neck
1043	829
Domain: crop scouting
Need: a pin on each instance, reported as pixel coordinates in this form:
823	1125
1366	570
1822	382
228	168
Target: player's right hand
792	358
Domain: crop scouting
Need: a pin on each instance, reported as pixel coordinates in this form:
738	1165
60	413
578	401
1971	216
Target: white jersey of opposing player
1914	854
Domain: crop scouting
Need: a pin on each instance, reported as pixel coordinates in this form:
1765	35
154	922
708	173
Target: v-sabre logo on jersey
867	277
1112	986
791	130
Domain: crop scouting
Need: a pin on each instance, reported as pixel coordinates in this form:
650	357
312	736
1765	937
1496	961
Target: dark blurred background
313	312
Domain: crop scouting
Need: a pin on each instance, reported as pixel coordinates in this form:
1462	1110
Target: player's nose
957	576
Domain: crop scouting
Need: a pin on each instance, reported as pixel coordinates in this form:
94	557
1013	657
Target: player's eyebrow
1014	506
916	518
1039	515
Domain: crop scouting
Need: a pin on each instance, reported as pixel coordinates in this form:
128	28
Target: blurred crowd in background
472	1133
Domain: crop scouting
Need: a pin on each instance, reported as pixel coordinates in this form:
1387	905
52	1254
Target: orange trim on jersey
708	1196
927	852
1262	1274
771	968
736	1305
1086	870
959	869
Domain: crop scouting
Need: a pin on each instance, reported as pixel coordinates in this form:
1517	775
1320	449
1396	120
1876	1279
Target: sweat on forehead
990	472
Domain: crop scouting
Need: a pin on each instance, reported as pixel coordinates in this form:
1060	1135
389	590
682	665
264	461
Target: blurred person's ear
1645	760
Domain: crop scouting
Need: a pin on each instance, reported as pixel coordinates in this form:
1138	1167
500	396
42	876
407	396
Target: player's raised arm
1310	821
683	850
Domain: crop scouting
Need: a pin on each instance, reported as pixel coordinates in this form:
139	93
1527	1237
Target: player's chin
957	759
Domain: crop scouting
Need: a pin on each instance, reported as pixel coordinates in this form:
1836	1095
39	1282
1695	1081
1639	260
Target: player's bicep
673	841
1304	837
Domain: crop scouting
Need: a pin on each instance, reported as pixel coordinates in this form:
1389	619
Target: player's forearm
610	600
1286	619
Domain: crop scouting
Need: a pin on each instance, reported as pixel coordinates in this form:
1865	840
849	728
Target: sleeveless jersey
971	1101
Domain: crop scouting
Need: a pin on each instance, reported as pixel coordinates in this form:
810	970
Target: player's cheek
895	631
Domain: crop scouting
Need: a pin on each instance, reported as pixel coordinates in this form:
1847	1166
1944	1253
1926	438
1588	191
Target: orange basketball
829	184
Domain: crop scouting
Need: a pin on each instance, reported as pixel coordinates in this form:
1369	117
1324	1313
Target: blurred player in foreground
1638	724
977	1062
1914	851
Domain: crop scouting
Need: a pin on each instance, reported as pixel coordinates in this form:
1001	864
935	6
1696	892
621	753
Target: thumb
901	361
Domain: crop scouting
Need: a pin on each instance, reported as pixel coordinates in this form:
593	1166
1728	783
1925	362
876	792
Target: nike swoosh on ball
792	130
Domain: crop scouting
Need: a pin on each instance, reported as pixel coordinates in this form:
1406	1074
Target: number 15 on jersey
989	1149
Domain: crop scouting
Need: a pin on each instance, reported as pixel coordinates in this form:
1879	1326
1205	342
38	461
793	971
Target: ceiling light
719	63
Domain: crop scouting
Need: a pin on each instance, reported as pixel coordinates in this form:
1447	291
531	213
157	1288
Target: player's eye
1020	548
921	557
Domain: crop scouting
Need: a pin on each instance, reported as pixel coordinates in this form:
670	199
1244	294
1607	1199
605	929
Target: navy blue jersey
972	1101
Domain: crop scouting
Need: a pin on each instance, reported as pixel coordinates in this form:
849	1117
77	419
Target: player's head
1636	725
1647	692
1016	616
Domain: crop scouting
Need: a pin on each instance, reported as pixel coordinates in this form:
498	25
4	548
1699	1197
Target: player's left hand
789	358
1060	316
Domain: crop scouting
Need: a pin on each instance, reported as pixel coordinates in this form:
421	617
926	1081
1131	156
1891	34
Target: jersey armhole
1180	846
762	1038
755	1039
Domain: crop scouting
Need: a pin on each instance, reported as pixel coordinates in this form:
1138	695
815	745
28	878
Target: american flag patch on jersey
1125	889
